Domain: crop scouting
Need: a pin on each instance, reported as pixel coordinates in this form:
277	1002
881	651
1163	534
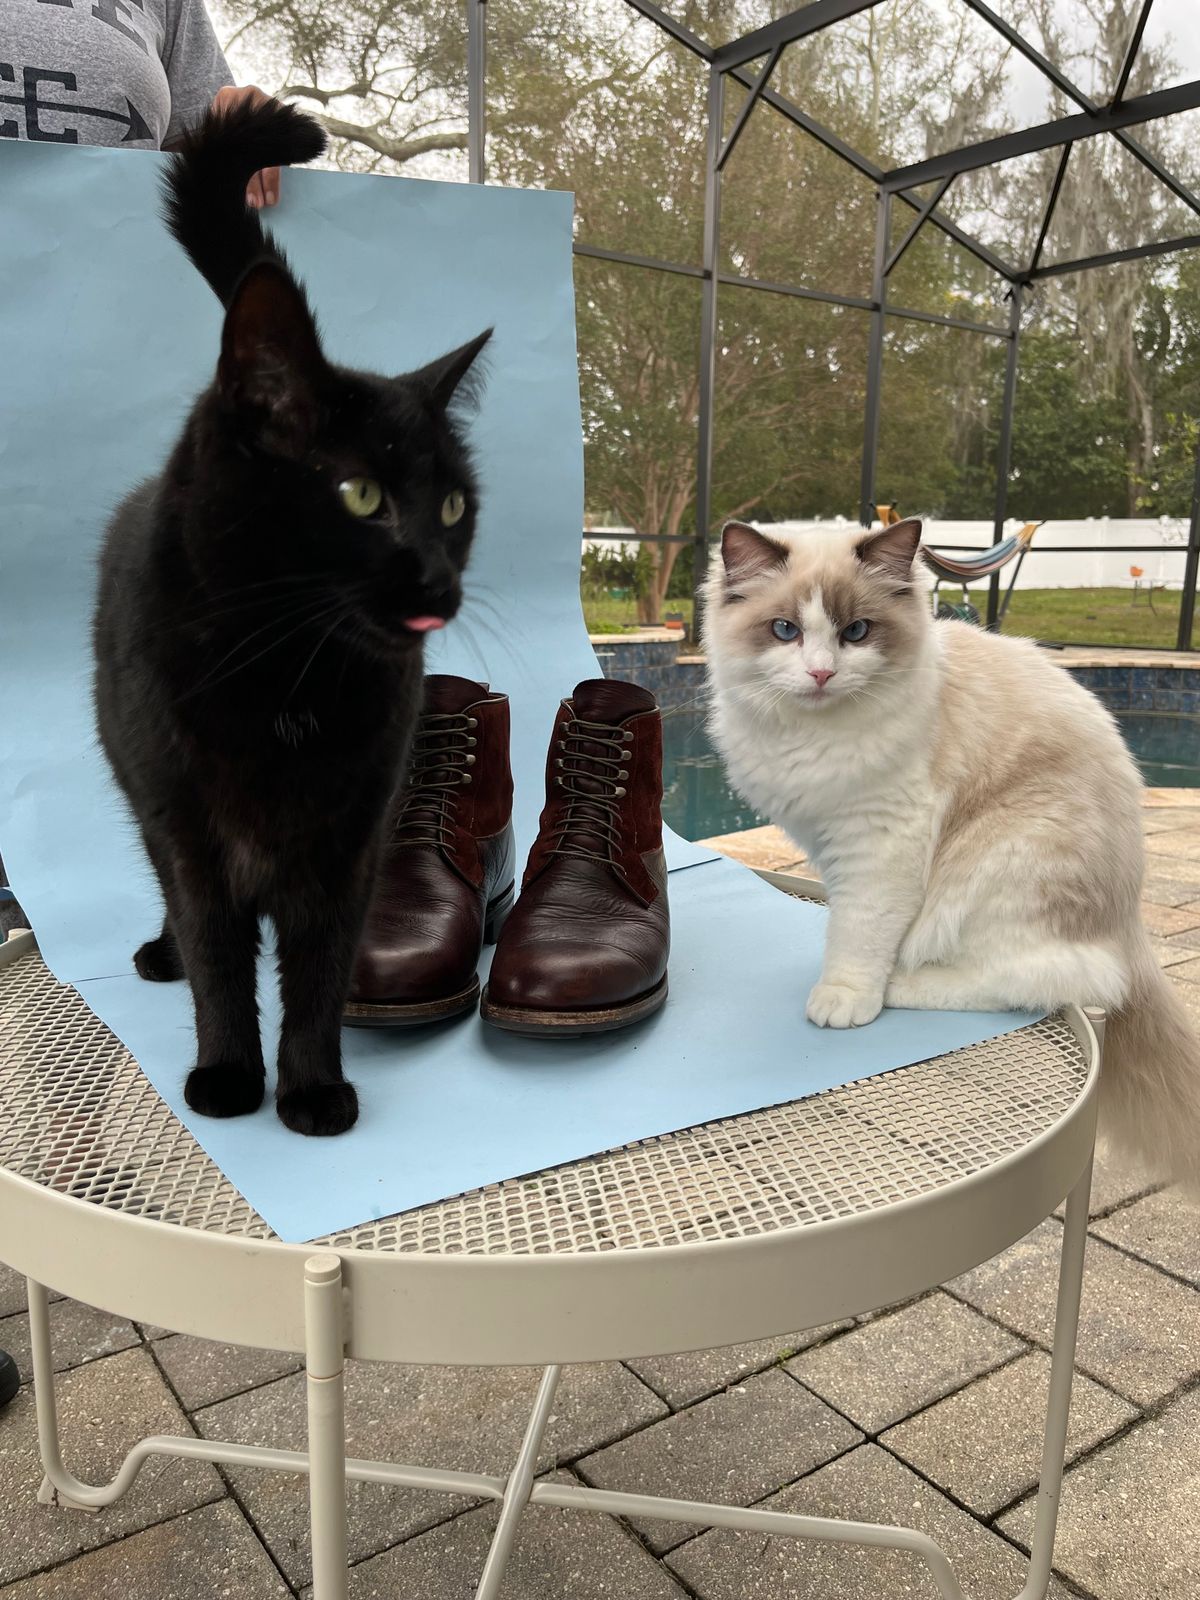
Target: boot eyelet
622	775
466	777
472	722
558	762
627	737
470	761
471	743
620	793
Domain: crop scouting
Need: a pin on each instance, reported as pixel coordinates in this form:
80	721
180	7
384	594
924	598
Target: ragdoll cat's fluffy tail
206	185
1150	1088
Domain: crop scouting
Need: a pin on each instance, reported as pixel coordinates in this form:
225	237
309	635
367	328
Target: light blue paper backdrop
107	333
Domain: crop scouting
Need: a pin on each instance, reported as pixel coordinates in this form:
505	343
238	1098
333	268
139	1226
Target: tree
593	98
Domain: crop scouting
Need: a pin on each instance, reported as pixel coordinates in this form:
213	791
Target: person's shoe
446	875
586	946
10	1378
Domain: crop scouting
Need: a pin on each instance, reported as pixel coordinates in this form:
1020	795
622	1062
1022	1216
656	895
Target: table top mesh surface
78	1116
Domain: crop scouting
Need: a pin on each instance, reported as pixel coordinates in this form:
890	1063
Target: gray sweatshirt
123	72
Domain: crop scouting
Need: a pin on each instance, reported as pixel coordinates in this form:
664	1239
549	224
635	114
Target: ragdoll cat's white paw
833	1005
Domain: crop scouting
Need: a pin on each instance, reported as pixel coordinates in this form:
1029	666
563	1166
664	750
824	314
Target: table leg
1062	1371
518	1488
325	1368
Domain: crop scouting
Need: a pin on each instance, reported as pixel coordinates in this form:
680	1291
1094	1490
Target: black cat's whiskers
283	615
465	631
296	588
481	622
343	612
308	620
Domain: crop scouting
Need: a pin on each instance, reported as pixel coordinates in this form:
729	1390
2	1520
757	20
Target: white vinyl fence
1077	568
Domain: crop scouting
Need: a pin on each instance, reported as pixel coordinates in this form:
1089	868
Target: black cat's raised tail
206	185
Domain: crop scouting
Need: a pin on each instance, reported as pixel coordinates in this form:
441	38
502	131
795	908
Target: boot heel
496	913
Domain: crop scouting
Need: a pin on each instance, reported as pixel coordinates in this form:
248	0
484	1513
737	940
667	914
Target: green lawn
1093	616
603	614
1073	616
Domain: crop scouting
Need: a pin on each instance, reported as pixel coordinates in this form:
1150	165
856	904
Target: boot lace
442	756
589	770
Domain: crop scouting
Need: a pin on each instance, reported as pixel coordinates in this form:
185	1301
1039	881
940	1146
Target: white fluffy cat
971	809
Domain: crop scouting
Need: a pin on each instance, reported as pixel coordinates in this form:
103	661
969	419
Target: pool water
1165	745
699	803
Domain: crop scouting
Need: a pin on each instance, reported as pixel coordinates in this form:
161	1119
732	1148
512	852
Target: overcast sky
1176	22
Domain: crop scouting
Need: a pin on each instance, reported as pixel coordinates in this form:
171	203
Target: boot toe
411	973
563	976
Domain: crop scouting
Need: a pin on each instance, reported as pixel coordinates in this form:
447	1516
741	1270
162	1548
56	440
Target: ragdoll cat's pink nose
822	676
424	624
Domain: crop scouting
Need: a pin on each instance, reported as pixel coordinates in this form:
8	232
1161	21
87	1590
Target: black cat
258	637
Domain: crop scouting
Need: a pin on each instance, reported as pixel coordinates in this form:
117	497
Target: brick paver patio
925	1414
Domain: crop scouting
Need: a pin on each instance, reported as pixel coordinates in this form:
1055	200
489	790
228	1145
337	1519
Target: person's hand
263	188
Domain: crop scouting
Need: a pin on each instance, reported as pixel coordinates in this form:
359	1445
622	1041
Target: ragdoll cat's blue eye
856	632
453	507
362	497
785	630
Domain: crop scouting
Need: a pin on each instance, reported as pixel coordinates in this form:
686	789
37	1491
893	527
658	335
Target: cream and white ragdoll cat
971	809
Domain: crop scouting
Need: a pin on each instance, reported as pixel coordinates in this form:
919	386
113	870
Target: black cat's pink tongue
424	624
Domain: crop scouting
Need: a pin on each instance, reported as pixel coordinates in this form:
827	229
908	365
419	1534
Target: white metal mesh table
784	1218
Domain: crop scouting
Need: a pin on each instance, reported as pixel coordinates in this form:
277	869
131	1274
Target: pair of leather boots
585	947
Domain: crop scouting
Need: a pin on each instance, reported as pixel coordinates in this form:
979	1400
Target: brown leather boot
446	876
586	947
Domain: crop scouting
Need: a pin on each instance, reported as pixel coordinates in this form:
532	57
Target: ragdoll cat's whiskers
975	817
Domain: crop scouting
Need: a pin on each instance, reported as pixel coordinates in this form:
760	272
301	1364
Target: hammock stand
966	570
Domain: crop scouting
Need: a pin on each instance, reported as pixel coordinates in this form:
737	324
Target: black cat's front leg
318	933
219	944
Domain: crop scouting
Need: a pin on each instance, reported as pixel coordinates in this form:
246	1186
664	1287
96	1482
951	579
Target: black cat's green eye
362	497
453	507
856	632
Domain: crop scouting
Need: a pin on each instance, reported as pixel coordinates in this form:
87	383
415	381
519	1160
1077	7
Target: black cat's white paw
225	1089
322	1109
158	961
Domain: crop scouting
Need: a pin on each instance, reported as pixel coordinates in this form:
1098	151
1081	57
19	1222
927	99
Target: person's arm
199	76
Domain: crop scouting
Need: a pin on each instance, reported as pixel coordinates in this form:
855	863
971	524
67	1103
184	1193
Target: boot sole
410	1013
537	1024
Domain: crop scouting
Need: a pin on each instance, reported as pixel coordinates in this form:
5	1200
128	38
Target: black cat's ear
892	549
446	378
747	553
271	360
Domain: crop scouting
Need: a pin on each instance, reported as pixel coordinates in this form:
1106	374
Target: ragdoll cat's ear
271	360
444	380
747	553
893	549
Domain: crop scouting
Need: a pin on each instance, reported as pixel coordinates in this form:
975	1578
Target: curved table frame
546	1310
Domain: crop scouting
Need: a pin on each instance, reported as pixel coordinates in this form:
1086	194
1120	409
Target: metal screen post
1005	455
1187	601
708	340
875	359
476	74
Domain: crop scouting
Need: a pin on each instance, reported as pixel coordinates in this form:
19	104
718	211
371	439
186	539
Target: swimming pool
699	803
